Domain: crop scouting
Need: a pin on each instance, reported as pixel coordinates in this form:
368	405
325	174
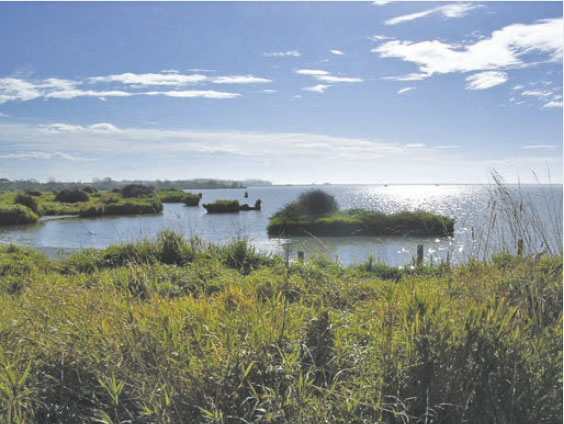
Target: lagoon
483	223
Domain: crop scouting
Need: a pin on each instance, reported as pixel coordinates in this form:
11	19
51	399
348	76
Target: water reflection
467	203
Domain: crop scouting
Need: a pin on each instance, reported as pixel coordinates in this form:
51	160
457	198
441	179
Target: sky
300	92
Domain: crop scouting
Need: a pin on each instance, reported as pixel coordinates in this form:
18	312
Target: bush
71	195
90	190
28	201
137	190
222	206
35	193
17	214
317	203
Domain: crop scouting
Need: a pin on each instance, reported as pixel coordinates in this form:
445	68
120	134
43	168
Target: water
469	204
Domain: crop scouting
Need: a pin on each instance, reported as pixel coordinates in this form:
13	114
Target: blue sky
363	92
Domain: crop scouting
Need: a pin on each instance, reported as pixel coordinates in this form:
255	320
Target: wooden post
419	260
300	256
520	247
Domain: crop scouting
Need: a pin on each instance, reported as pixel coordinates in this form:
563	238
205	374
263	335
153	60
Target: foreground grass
181	332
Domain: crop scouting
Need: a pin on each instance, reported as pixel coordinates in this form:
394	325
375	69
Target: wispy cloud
335	79
320	88
381	2
538	147
43	156
554	103
507	48
337	52
537	93
151	79
15	89
287	53
485	80
405	90
240	79
456	10
325	77
269	91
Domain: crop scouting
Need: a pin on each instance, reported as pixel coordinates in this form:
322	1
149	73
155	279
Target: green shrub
90	190
317	203
28	201
71	195
17	214
222	206
137	190
35	193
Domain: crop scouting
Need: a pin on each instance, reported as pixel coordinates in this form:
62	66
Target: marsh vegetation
176	331
317	213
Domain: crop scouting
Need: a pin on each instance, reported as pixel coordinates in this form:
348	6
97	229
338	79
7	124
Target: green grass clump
222	206
137	190
324	219
113	205
71	195
17	214
27	201
175	331
179	196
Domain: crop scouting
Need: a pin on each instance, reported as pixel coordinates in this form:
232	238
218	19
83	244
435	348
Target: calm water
471	205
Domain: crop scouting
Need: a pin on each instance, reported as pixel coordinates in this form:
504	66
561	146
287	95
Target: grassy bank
222	206
179	196
176	331
317	213
19	208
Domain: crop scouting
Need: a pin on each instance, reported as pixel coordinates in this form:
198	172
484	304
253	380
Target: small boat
246	195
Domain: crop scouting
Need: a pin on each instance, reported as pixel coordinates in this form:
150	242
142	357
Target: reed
176	331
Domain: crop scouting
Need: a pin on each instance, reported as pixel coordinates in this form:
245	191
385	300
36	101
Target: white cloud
311	72
537	93
291	53
380	38
239	79
446	146
162	79
42	156
405	90
553	103
334	79
3	115
538	147
456	10
381	2
270	91
504	49
485	80
15	89
408	77
207	94
518	87
320	88
415	145
337	52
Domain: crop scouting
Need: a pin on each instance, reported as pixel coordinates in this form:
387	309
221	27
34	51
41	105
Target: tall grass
179	331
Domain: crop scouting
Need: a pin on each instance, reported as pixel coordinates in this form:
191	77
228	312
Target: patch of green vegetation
175	331
179	196
137	190
17	214
71	195
222	206
317	213
97	204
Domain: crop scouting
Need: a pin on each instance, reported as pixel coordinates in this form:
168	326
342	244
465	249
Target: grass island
317	213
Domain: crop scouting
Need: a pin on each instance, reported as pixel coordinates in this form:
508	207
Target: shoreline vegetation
107	184
230	206
177	331
317	213
28	207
